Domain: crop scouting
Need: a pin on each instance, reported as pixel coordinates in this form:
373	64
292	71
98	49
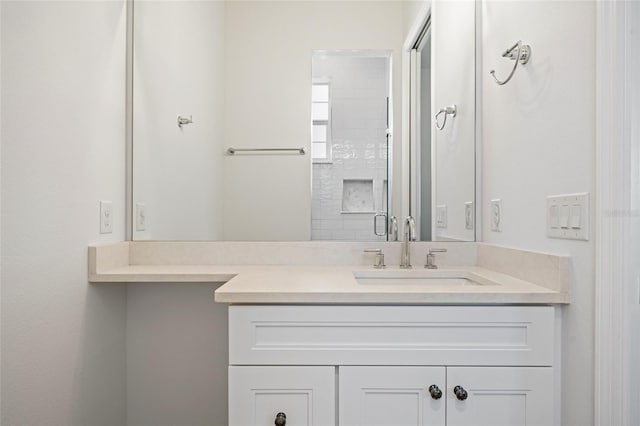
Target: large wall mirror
302	120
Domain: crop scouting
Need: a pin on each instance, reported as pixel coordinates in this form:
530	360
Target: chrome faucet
393	228
409	235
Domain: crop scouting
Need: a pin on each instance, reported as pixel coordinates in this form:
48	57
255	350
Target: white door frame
616	264
409	111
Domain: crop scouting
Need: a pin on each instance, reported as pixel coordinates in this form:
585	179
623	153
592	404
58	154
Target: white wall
178	69
633	71
268	78
453	83
0	211
411	9
63	340
539	140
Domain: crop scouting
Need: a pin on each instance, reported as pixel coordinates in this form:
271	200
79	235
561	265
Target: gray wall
177	355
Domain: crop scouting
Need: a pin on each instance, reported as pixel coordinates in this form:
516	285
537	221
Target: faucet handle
431	258
431	251
379	263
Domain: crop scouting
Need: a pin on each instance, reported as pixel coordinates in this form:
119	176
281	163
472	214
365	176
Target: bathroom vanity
391	365
314	340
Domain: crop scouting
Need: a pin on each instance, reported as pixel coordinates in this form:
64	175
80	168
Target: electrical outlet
496	215
106	217
141	217
468	215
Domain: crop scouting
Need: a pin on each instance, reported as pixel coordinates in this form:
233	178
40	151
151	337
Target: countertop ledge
322	284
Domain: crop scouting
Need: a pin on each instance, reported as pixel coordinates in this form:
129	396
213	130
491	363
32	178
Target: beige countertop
336	284
325	284
167	273
332	284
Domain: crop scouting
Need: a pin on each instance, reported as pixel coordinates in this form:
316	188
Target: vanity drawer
391	335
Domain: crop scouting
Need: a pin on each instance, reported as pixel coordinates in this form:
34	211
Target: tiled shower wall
359	90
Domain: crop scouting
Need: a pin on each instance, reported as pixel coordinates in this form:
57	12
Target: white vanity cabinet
304	396
500	396
385	365
391	396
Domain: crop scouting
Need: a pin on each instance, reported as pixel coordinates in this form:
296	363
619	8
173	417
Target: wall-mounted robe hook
184	120
518	52
450	110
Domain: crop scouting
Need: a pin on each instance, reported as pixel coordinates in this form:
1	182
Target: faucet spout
409	235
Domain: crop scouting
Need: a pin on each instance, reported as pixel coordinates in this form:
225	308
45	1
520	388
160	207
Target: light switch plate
141	217
468	215
568	216
106	217
441	216
496	215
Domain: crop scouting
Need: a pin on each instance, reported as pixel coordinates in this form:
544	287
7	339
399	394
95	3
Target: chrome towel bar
232	151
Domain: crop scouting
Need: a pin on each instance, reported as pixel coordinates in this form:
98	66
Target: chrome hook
184	120
450	110
521	57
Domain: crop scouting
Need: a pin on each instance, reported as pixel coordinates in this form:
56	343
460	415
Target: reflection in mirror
453	68
442	86
422	157
349	146
244	73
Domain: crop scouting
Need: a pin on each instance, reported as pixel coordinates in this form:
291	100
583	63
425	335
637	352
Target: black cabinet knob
281	419
460	393
435	392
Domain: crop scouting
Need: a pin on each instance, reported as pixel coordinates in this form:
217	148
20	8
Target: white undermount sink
418	276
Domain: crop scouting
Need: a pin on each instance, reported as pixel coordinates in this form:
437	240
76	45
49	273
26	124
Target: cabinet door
306	395
391	396
500	396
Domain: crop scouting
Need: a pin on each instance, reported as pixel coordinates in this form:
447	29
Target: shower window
320	122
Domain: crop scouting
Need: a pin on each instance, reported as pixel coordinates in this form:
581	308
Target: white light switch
468	215
575	214
564	216
106	217
568	216
554	217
